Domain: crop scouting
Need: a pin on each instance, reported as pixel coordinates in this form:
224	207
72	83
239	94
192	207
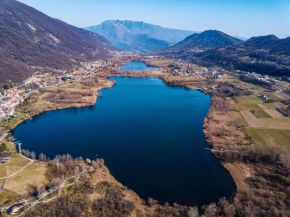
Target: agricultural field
259	113
240	84
266	125
247	103
270	136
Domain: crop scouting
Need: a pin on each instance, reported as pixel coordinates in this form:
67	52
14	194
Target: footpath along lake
150	135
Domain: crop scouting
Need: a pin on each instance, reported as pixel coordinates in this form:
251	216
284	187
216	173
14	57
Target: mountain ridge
32	39
121	33
202	41
267	55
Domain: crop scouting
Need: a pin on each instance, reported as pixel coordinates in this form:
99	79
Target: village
11	97
257	76
186	69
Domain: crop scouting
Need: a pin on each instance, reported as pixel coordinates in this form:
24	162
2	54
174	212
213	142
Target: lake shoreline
142	74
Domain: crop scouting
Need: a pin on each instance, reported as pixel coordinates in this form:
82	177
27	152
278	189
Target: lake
137	66
150	135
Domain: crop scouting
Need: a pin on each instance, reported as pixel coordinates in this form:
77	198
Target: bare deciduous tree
210	210
193	212
229	210
152	202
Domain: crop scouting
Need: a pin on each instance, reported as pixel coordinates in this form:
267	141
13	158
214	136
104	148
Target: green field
270	136
273	97
242	122
259	113
6	194
249	99
248	103
245	106
273	105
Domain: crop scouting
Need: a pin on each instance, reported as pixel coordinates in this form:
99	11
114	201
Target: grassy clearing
273	105
274	97
11	147
242	106
233	117
160	63
240	121
16	163
50	196
2	170
6	194
270	136
275	123
260	114
33	174
255	136
240	84
247	103
249	99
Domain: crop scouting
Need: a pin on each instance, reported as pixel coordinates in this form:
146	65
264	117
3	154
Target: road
280	91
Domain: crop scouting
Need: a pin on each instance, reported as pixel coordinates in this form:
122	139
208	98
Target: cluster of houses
208	89
188	69
93	67
215	74
43	80
9	99
259	77
265	97
120	55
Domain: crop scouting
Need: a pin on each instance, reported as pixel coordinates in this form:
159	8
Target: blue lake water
137	66
149	134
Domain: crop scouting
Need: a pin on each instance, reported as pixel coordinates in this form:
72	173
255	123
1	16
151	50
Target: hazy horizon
238	18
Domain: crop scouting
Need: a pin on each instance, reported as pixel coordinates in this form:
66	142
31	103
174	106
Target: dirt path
13	174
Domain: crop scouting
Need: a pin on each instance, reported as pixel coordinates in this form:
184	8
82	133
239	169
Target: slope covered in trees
30	39
264	55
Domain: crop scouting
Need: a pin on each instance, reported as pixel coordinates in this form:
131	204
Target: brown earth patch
251	119
239	172
276	123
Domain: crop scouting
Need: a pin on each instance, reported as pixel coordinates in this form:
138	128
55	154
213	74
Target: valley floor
237	131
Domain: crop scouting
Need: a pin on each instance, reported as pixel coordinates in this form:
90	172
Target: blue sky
245	18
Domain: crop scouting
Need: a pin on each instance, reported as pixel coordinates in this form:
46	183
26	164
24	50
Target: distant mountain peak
124	34
212	32
272	37
203	41
261	42
264	38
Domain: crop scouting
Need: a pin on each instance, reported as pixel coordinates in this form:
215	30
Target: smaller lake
137	66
